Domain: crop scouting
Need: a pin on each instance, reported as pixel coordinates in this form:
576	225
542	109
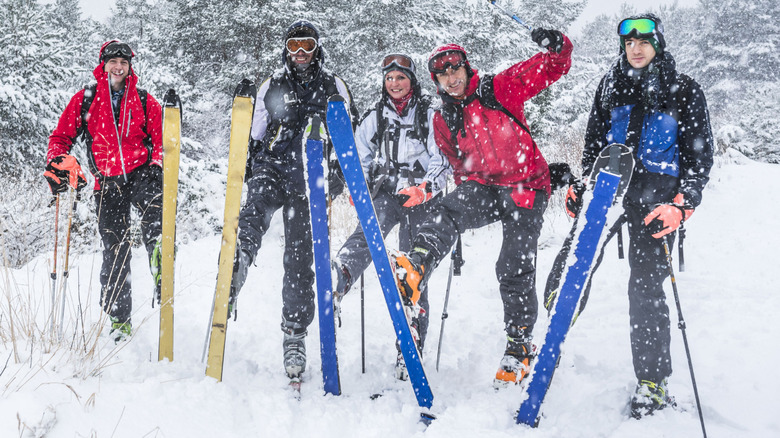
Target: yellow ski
171	152
241	122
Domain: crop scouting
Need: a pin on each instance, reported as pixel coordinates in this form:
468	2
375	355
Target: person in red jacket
501	176
121	125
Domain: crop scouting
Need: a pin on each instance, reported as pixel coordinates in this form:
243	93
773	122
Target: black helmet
644	26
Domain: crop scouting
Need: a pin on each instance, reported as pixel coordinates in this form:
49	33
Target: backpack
487	97
421	128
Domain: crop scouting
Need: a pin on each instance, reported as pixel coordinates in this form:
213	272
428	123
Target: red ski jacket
106	156
491	148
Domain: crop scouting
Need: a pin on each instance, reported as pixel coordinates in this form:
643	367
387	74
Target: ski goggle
399	61
306	44
640	26
117	50
453	59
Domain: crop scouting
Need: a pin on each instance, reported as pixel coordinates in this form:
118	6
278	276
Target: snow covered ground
728	295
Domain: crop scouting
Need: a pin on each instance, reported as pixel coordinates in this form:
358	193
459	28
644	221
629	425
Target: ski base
609	179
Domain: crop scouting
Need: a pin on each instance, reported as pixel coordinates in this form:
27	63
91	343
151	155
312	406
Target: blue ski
317	183
340	129
610	176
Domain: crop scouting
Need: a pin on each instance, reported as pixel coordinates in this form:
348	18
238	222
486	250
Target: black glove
574	199
547	38
560	175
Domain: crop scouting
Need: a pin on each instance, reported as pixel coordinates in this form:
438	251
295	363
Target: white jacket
404	150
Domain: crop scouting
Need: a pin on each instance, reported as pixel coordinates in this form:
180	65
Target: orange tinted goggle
306	44
402	61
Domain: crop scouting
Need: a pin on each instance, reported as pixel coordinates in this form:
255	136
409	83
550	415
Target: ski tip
336	98
427	418
313	130
246	88
171	99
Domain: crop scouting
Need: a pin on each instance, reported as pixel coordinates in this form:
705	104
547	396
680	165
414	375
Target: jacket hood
98	72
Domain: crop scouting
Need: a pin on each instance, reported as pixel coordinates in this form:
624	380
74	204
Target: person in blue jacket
661	114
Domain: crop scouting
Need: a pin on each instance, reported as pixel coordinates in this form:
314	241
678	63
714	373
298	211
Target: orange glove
63	171
574	199
417	194
670	216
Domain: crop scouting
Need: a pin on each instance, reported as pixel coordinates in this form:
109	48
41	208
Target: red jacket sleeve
154	128
61	139
526	79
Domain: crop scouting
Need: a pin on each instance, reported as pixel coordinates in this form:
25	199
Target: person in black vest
284	104
405	172
644	103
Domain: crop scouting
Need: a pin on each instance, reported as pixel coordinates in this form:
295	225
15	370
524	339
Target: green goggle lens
641	26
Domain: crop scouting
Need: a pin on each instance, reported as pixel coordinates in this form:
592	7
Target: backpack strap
143	96
487	97
89	96
381	124
421	128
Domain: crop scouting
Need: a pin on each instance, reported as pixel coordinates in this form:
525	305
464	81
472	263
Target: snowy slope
727	293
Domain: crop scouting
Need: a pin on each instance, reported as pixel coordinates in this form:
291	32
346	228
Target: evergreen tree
34	64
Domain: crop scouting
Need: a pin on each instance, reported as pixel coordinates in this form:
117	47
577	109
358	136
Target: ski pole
54	269
680	251
208	330
362	324
456	262
510	15
681	326
74	197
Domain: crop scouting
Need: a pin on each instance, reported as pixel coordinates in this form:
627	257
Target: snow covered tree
34	64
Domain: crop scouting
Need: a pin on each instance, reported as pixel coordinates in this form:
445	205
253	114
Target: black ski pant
473	205
142	191
648	312
268	192
356	256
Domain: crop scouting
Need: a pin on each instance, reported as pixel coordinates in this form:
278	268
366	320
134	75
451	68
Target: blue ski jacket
663	117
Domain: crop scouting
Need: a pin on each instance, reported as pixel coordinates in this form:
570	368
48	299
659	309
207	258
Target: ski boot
650	397
516	363
120	331
155	265
412	272
294	345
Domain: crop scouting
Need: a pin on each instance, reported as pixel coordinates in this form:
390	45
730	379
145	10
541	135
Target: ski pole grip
680	251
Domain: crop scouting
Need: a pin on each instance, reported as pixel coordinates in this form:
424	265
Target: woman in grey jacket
405	172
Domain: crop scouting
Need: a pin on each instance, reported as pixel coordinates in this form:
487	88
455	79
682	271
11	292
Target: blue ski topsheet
340	129
577	274
318	207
